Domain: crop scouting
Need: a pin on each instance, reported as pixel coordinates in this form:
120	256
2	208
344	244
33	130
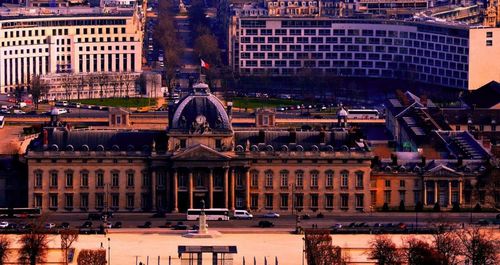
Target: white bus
362	114
213	214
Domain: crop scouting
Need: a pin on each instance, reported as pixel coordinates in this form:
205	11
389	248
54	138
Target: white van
242	214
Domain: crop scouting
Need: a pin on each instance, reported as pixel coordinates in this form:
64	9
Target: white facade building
67	43
448	55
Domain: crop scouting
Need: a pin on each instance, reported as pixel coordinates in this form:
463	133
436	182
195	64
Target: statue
203	227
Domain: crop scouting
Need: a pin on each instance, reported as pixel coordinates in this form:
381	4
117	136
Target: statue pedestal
202	230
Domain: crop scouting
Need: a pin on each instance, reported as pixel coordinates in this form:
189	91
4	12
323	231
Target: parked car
305	217
63	103
351	225
17	111
64	225
12	226
271	215
87	224
94	216
265	224
75	104
4	224
146	224
337	226
117	225
483	222
50	225
402	226
159	214
180	226
242	214
378	225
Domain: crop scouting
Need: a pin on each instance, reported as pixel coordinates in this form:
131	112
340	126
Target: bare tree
319	248
92	257
33	248
68	237
447	244
81	85
4	247
418	252
37	88
384	251
67	84
129	80
479	248
103	81
91	81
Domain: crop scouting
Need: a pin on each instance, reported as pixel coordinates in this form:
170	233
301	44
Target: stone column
436	194
153	190
247	189
211	188
460	191
449	192
176	190
232	190
190	179
425	192
226	188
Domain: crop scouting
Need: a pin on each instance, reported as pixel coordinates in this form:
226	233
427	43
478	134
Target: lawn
253	103
120	102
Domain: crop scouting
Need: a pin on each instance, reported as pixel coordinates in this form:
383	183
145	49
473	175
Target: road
132	220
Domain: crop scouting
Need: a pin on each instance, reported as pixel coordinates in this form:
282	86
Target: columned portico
190	189
176	190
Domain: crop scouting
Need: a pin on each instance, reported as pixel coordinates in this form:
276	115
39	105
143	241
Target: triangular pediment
442	171
199	152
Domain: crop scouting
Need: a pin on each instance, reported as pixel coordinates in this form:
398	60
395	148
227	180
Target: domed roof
200	111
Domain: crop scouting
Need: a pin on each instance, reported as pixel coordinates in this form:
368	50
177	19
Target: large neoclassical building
200	156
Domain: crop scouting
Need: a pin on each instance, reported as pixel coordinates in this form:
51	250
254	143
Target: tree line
463	246
34	247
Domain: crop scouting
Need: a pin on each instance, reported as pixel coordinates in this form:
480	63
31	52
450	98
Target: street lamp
109	251
473	183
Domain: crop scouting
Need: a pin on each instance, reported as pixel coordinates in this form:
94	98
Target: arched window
284	178
84	178
130	178
344	179
269	179
99	175
53	178
115	178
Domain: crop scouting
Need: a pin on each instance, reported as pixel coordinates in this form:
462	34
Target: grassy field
253	103
120	102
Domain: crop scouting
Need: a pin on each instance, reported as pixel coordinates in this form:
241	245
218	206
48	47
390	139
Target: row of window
84	179
299	177
297	201
357	32
100	200
346	40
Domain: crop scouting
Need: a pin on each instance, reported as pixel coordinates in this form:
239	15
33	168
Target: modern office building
78	40
443	54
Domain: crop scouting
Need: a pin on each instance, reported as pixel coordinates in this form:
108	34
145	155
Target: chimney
262	136
45	136
293	136
394	159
